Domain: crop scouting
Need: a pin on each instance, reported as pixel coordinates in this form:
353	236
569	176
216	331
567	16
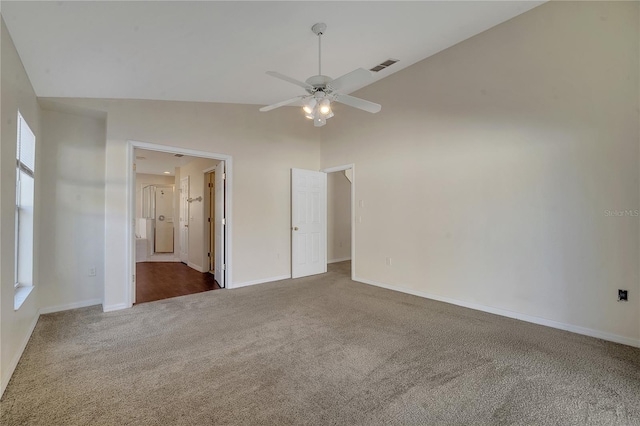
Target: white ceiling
157	163
219	51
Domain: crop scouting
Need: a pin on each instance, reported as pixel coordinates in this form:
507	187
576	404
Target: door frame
182	208
131	213
219	224
341	168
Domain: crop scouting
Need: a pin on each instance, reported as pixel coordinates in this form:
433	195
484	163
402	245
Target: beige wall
264	147
487	175
198	211
72	200
16	95
338	217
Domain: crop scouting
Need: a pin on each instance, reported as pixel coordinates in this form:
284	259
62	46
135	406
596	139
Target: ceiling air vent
179	155
384	65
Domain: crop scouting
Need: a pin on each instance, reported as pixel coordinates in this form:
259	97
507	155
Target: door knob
295	228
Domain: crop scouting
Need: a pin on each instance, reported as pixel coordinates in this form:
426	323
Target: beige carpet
319	350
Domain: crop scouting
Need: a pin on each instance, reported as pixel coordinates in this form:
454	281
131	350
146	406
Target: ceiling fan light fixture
325	107
309	106
322	90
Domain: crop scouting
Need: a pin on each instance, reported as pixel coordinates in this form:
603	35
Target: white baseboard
14	362
196	267
261	281
76	305
343	259
116	307
171	259
511	314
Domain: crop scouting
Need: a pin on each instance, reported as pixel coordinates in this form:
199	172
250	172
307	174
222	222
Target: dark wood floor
162	280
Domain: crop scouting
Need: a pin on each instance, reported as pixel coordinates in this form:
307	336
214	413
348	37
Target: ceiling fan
323	90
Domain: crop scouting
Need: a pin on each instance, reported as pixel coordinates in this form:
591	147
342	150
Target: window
25	171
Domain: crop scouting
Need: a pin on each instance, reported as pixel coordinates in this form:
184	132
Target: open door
219	223
211	219
308	223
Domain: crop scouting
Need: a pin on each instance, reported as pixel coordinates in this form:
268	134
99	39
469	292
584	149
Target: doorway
339	216
342	185
192	205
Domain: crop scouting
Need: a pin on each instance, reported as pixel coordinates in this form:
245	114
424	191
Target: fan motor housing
319	81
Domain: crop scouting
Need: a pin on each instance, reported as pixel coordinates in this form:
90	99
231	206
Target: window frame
23	289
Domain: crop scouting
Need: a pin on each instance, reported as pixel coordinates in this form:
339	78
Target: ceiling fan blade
354	78
290	80
352	101
279	104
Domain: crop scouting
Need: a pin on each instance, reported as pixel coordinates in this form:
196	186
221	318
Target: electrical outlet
92	271
388	261
623	295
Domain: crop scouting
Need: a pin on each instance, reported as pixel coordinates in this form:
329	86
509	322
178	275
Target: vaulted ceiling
220	51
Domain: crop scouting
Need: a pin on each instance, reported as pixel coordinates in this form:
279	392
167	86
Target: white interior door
212	220
308	223
220	226
184	219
